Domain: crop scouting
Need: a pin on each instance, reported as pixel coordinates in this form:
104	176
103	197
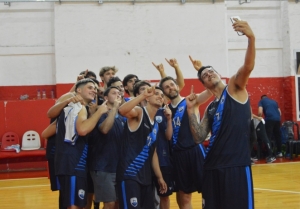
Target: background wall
45	45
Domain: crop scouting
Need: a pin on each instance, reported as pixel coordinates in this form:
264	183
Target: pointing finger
192	89
86	72
104	103
154	64
191	59
167	60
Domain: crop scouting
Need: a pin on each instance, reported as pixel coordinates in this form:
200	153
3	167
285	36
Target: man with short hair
106	141
272	113
73	125
183	145
116	82
106	73
227	181
138	154
128	83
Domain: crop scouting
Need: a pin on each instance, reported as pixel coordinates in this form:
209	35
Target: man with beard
227	181
187	156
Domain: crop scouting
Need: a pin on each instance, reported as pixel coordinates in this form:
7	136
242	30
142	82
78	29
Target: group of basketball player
122	145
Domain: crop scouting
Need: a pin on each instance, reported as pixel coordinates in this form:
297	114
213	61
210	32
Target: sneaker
254	159
270	159
252	162
279	154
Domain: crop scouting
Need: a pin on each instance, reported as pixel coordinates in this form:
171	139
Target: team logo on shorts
81	193
133	201
158	119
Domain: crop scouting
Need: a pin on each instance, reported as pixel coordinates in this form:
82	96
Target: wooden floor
276	185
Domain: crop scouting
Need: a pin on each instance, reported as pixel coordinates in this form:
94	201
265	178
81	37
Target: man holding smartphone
227	181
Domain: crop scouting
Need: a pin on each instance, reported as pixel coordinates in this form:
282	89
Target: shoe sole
272	161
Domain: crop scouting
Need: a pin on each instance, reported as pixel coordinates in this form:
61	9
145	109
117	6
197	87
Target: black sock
96	205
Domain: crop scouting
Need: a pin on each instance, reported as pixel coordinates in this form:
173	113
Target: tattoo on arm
199	131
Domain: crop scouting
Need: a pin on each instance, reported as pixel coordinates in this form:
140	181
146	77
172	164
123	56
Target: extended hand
159	67
191	99
76	99
242	26
196	63
167	112
172	62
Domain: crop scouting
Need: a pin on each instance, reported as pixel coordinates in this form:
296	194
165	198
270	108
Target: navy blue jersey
106	147
137	151
50	148
69	159
184	139
270	109
163	145
230	128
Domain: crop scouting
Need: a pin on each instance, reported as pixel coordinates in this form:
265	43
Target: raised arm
63	101
179	76
108	123
169	130
199	129
85	125
49	131
160	69
130	109
239	81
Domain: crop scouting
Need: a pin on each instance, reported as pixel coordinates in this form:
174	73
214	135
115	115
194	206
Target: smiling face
171	89
87	91
210	77
157	99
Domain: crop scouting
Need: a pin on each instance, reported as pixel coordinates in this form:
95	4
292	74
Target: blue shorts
54	184
228	188
188	169
73	191
133	195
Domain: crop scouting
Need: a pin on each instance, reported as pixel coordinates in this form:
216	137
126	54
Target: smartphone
232	20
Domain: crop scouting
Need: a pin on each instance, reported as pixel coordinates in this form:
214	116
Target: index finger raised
191	58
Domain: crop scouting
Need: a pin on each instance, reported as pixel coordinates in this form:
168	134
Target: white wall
27	44
48	43
132	36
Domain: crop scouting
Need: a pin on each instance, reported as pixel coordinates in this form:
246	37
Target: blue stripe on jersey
124	194
217	120
82	161
202	150
140	160
249	181
72	190
177	121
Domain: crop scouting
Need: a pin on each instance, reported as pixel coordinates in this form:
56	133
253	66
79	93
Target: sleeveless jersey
230	133
69	159
137	151
105	148
182	136
50	148
163	145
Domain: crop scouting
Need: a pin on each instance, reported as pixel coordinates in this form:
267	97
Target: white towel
71	113
15	147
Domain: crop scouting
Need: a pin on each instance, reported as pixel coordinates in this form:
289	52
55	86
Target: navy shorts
54	184
133	195
228	188
168	176
188	169
73	191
